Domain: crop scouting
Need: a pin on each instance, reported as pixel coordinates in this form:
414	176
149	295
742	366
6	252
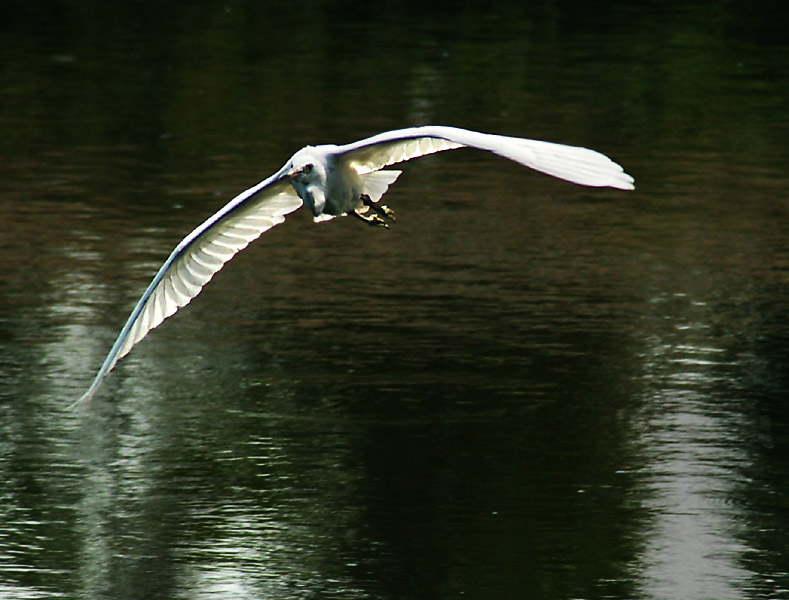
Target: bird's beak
293	173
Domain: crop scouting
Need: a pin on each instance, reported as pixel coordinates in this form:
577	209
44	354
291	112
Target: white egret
332	181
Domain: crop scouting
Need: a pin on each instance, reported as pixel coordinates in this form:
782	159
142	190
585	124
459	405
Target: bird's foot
381	210
385	212
373	220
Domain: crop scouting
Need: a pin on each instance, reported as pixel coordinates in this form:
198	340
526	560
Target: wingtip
80	402
620	179
631	182
627	183
85	398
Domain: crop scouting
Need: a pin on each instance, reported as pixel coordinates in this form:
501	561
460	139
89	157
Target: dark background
526	389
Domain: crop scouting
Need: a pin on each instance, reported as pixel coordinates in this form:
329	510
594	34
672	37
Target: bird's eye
308	168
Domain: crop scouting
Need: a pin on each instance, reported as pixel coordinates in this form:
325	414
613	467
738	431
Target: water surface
526	389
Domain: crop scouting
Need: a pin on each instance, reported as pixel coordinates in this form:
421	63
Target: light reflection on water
526	389
693	465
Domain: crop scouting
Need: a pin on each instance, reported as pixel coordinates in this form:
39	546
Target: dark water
526	389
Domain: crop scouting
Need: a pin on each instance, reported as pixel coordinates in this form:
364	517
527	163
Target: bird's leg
382	210
374	220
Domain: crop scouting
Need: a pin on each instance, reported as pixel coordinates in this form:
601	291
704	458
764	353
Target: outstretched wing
198	257
571	163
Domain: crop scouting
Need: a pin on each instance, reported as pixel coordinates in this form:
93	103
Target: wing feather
374	155
571	163
198	257
377	182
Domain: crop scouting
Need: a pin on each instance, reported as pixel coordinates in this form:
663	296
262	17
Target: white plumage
332	181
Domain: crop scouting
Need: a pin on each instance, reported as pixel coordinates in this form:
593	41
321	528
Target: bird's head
302	173
307	173
306	167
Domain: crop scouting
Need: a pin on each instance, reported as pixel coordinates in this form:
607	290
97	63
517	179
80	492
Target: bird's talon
374	220
382	212
377	221
388	213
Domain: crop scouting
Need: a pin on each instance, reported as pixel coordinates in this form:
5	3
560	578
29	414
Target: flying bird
332	181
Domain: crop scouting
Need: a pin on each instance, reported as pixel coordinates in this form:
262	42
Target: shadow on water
526	389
